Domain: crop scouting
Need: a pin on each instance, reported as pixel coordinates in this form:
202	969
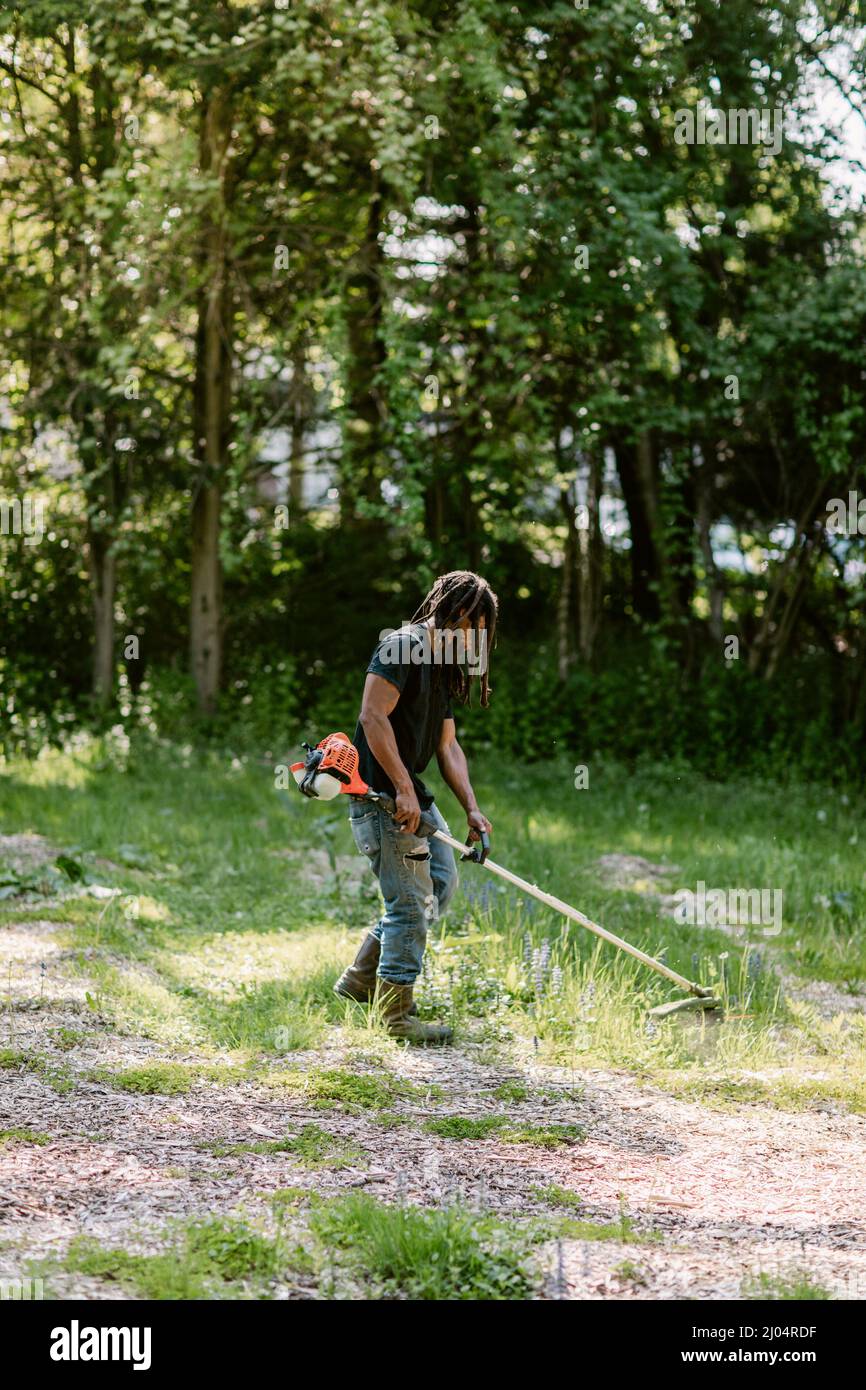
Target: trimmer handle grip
477	853
426	826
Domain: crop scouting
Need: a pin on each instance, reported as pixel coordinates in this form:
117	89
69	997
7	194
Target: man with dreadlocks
413	680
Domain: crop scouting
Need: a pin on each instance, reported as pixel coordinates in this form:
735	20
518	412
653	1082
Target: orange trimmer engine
330	768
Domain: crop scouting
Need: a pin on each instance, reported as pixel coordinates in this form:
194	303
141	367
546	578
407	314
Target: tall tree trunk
103	483
211	409
784	631
205	630
102	566
670	509
591	557
362	467
299	423
715	591
796	557
467	441
855	703
644	561
648	481
566	601
471	530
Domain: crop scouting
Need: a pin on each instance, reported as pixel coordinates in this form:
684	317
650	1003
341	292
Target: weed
511	1091
212	1258
311	1148
796	1286
556	1196
630	1273
22	1136
58	1078
440	1254
158	1079
466	1127
349	1089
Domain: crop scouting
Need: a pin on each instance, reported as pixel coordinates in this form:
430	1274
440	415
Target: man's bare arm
379	699
455	771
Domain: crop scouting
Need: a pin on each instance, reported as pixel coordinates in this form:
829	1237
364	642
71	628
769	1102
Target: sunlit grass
220	940
206	1259
425	1255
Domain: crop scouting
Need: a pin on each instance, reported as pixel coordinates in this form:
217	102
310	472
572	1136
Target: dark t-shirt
418	714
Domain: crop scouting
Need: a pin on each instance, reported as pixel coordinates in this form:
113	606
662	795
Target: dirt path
718	1196
731	1194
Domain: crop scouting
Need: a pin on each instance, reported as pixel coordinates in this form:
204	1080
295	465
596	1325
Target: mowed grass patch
155	1079
57	1076
205	1259
328	1086
23	1136
467	1127
783	1090
265	992
312	1148
241	949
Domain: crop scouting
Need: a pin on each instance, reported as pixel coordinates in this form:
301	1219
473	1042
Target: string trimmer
332	768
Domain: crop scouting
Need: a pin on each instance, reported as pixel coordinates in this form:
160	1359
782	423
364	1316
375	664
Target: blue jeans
417	878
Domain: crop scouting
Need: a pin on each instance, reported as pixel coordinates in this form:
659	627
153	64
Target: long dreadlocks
462	594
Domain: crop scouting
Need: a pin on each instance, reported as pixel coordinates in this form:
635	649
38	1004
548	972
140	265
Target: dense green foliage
446	267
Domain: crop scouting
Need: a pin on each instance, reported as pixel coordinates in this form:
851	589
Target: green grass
66	1038
543	1136
351	1090
311	1148
172	1078
556	1196
623	1229
360	1247
236	945
466	1127
511	1091
630	1273
797	1286
287	1199
442	1254
315	1148
210	1259
596	1230
22	1136
246	911
483	1127
158	1079
787	1092
57	1077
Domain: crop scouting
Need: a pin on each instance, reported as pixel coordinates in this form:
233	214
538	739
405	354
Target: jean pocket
365	833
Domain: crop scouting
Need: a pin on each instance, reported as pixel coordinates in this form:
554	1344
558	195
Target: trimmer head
695	1001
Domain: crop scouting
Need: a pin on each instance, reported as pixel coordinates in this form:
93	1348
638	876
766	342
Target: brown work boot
399	1016
359	981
